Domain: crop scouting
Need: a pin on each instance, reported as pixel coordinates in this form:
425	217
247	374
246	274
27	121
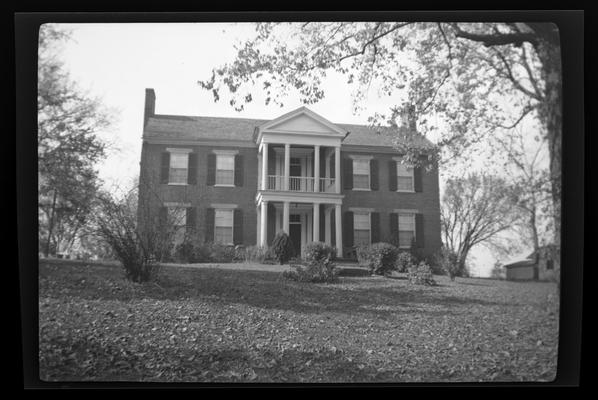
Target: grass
233	325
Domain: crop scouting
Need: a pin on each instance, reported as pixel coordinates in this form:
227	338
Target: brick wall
201	195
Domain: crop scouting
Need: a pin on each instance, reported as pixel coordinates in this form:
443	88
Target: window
225	169
179	163
223	227
177	219
361	174
404	178
406	230
361	229
549	264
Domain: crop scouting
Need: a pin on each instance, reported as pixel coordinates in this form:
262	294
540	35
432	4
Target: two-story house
240	181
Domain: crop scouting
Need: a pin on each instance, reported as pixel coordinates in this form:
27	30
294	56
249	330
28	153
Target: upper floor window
405	178
361	174
406	230
223	226
361	229
225	169
179	164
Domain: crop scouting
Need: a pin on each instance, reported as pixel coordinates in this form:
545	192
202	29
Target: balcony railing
300	184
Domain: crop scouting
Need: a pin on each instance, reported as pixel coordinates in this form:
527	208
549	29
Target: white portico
299	168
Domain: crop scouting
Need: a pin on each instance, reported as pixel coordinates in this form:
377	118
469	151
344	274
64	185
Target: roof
519	264
180	127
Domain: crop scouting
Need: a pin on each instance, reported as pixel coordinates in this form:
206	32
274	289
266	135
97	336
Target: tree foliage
69	148
462	81
474	210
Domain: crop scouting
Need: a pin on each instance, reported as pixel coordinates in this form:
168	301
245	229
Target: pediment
302	120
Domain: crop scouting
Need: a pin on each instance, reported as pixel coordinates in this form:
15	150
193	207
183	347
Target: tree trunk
50	226
552	118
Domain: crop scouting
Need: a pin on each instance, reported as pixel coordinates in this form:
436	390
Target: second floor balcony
300	184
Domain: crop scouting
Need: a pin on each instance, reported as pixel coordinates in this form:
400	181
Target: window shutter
347	174
192	169
392	176
239	170
375	227
417	179
374	174
162	216
419	230
348	229
238	226
394	228
191	219
210	215
165	167
322	222
211	170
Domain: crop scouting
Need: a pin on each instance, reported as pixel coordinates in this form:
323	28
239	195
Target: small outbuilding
535	267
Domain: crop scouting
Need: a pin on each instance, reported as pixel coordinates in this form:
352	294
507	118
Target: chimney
150	105
408	118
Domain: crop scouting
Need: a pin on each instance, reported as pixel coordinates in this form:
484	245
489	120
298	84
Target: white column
287	166
337	170
316	235
285	217
259	171
264	224
264	166
327	227
339	232
258	238
317	168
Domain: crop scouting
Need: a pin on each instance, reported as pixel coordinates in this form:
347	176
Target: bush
421	274
379	258
282	247
318	251
448	262
319	268
221	253
255	254
404	261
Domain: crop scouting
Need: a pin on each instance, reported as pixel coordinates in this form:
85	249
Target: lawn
234	325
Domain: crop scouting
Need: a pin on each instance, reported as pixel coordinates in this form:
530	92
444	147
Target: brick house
239	181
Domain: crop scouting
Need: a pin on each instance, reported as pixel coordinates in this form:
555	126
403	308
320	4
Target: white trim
225	152
179	150
223	185
361	209
406	211
177	184
361	190
222	206
175	204
360	157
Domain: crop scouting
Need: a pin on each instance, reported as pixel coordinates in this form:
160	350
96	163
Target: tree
461	81
474	210
529	183
498	271
68	146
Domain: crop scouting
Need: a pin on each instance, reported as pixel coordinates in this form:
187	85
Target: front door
295	235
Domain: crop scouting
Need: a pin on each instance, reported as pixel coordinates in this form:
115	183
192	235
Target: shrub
318	251
221	253
379	258
448	262
282	247
421	274
256	254
404	261
319	268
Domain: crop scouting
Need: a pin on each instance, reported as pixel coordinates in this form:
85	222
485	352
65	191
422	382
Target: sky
117	62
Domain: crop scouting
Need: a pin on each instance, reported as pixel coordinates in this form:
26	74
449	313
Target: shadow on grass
375	296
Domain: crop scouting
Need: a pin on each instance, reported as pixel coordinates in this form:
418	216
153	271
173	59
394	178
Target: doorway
295	233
